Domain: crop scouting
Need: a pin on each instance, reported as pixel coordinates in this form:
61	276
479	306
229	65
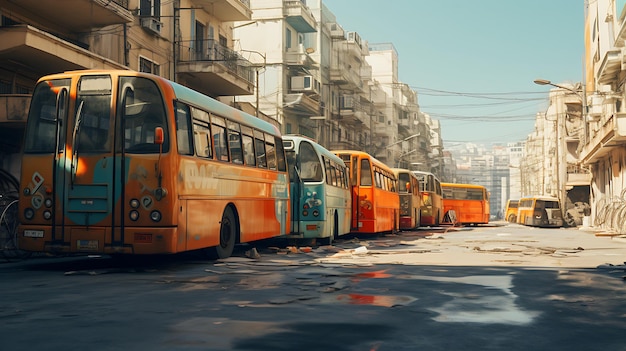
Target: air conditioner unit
305	83
152	24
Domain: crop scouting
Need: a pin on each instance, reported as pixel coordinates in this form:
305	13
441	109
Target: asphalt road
500	287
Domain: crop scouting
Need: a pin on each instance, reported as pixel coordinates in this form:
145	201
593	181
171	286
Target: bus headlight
48	203
134	215
316	213
47	215
29	213
155	216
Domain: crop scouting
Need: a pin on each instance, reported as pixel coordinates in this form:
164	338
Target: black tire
229	232
512	218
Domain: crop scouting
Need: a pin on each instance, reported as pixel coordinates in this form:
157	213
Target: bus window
366	173
42	117
259	148
234	141
270	150
281	161
183	137
218	128
248	146
93	105
311	168
143	112
202	139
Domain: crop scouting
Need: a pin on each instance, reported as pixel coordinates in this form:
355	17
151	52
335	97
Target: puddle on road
464	308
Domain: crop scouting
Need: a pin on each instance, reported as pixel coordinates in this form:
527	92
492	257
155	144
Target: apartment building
603	149
288	61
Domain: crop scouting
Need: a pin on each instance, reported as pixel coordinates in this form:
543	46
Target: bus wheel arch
512	218
228	234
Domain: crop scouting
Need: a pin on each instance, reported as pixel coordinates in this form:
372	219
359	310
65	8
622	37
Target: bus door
86	175
295	183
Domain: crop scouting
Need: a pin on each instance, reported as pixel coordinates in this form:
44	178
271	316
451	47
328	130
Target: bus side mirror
159	137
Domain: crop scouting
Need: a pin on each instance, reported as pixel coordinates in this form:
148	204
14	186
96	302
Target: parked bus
470	202
510	213
121	162
540	211
320	191
432	202
375	199
410	198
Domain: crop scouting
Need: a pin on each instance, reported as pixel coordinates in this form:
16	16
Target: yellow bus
540	211
375	199
410	198
122	162
510	213
470	202
432	212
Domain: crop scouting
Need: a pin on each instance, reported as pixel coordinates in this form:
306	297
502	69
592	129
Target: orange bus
375	199
410	198
470	202
121	162
432	203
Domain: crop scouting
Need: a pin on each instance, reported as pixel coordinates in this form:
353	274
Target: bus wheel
512	218
229	229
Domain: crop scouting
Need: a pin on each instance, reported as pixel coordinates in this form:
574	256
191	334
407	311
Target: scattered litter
253	253
361	250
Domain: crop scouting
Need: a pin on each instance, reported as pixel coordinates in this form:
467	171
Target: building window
150	8
288	38
148	66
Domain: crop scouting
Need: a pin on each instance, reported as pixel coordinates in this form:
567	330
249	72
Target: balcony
299	56
227	10
336	31
214	69
610	134
43	53
350	110
609	67
298	15
302	103
577	176
79	15
345	76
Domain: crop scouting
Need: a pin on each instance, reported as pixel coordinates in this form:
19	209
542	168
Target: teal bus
320	191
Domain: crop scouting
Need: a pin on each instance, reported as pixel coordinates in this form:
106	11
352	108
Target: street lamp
258	68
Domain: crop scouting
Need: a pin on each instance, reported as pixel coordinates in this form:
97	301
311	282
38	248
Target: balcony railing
211	51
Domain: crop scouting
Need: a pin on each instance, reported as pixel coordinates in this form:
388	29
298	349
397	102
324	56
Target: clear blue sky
473	63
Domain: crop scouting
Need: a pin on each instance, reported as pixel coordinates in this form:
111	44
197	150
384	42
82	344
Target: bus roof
319	148
463	185
185	94
540	197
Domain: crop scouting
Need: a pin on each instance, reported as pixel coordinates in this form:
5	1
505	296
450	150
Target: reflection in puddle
376	300
486	308
374	275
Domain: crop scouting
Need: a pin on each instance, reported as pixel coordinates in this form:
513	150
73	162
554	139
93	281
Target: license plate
33	233
87	245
